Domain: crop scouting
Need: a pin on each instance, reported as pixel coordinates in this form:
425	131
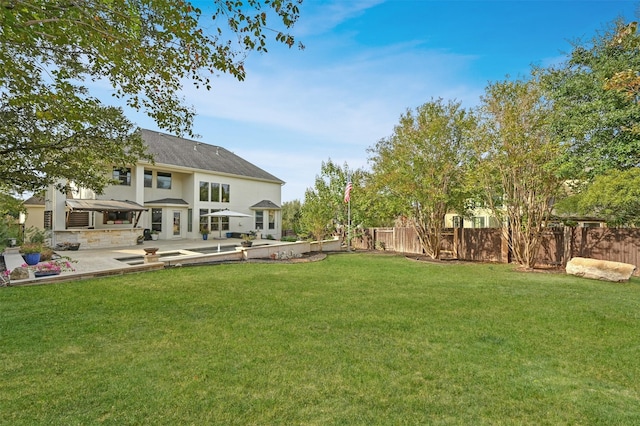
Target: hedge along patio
559	245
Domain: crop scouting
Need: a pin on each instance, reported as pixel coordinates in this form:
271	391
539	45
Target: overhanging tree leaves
593	121
143	49
515	163
421	166
77	143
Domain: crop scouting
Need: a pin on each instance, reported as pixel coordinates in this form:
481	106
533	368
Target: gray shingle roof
178	201
265	204
175	151
34	201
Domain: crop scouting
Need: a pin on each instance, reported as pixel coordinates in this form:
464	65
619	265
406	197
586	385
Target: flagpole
347	199
349	225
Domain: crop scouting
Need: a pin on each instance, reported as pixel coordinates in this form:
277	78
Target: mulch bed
307	257
538	269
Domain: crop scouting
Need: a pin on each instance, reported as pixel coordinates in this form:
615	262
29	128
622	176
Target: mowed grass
354	339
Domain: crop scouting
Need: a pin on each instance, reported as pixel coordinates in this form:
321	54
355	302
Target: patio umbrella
225	213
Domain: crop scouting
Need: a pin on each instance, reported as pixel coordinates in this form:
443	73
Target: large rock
600	269
20	274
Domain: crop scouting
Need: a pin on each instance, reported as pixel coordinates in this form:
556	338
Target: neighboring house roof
265	204
178	201
34	201
176	151
104	206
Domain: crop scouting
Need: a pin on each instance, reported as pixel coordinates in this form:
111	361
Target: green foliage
594	122
32	247
52	128
74	143
421	167
613	196
35	235
10	209
515	158
291	215
355	339
324	211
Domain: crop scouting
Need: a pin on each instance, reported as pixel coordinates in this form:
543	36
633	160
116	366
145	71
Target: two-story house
172	196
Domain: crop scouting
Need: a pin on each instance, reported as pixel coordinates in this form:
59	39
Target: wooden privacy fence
558	246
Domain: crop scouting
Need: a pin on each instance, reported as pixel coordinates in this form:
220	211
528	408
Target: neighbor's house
483	218
188	180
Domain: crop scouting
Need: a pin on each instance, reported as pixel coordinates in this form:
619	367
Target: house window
123	175
204	191
189	220
458	222
111	218
259	219
204	220
163	180
215	192
225	193
478	222
156	220
215	221
272	219
148	178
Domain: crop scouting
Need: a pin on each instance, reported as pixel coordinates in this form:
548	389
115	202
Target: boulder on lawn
604	270
20	274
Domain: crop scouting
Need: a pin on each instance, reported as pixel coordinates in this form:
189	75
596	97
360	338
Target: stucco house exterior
188	180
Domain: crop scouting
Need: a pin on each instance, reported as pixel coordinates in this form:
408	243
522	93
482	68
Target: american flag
347	191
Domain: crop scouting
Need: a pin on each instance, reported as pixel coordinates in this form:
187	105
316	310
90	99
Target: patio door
176	223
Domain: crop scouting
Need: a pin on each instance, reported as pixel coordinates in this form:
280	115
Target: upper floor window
163	180
204	191
219	192
225	193
123	175
148	178
215	192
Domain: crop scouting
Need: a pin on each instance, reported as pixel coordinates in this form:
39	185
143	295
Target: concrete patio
90	263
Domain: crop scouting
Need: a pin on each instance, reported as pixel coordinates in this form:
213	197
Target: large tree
144	49
421	167
593	121
515	159
324	211
595	93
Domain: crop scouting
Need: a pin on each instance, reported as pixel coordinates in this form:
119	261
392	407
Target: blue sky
366	62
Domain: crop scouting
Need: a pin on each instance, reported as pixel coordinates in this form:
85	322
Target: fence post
567	244
504	247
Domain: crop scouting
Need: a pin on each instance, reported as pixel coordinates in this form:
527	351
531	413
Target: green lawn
354	339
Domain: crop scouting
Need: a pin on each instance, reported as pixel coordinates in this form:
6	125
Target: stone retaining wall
98	238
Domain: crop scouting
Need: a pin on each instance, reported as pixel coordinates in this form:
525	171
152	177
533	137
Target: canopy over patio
105	206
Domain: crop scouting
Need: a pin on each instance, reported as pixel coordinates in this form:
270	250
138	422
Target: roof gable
175	151
265	204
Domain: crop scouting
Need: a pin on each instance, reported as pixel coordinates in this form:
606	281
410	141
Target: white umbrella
225	213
